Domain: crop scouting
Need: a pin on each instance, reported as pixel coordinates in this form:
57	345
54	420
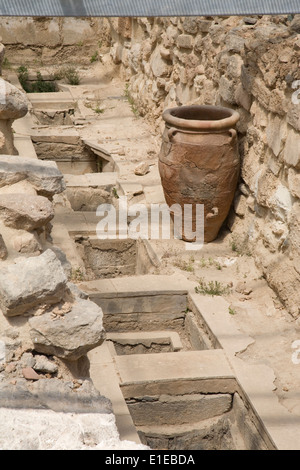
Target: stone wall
44	41
249	64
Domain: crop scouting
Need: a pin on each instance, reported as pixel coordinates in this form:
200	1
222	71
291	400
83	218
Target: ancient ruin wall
249	64
44	41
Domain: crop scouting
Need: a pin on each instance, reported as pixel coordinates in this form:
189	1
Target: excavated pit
61	117
71	158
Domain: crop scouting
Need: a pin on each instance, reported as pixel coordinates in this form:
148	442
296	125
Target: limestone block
31	282
204	25
29	32
247	79
227	90
242	97
134	57
294	227
267	185
234	66
116	53
234	43
284	279
259	115
240	205
158	66
273	100
282	202
43	364
13	102
124	27
185	41
76	30
26	242
293	115
294	182
276	133
28	213
44	176
70	335
295	24
292	149
190	25
21	187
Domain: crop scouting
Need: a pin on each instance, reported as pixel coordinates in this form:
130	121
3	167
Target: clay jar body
199	163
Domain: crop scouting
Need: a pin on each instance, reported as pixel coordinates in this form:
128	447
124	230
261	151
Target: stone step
187	372
57	134
143	302
56	100
178	409
89	180
146	339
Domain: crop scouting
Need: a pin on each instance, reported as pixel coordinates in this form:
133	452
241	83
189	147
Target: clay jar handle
214	213
233	133
171	132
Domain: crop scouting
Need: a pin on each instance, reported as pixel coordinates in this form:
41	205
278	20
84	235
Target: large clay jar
199	162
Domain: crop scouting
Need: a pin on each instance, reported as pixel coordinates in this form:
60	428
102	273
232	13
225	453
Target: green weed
211	288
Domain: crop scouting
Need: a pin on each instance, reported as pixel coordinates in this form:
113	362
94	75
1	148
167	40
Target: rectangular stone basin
64	145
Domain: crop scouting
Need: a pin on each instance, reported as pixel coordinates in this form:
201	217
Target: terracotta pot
199	163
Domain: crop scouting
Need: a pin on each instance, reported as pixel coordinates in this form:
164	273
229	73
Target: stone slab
91	180
51	100
188	365
57	134
150	285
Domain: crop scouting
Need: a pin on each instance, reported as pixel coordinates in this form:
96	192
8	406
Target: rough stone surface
49	430
14	103
28	213
55	394
142	169
70	335
27	242
44	176
21	288
44	365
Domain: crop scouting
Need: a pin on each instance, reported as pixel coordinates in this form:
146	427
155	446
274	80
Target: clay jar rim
201	117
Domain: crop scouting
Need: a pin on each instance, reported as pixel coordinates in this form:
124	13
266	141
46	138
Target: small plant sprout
94	57
115	193
231	311
211	288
